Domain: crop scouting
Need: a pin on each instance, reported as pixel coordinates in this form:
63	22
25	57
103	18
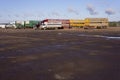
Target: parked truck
26	24
50	24
31	23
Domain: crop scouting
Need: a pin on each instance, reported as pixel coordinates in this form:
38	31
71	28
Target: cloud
17	15
9	15
55	14
40	15
109	11
71	10
0	15
28	15
91	10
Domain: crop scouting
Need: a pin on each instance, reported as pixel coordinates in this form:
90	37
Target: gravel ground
27	54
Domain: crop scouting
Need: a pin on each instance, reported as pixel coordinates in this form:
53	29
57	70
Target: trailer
96	23
65	23
10	26
31	23
76	23
7	25
51	24
19	24
2	25
26	24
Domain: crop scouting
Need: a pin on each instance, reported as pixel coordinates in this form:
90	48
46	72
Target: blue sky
11	10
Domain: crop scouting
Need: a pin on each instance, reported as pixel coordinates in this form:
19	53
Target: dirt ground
27	54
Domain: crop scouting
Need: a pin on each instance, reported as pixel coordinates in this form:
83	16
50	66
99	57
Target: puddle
113	37
108	37
100	36
59	33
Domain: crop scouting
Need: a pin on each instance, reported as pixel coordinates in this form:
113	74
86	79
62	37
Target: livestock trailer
76	23
98	23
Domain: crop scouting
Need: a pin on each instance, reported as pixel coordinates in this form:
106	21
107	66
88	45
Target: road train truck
52	24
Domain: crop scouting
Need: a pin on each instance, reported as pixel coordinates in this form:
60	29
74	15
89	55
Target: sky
12	10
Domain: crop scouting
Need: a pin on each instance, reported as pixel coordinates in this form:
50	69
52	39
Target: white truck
50	24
